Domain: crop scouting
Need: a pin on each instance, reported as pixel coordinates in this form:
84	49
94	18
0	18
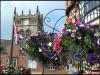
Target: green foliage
70	27
33	51
64	56
87	40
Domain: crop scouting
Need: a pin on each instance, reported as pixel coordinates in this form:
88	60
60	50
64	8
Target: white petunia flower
26	39
82	25
26	45
56	58
98	42
69	30
40	50
79	37
72	35
36	34
49	44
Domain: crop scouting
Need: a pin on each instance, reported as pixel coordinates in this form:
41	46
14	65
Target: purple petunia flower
93	56
98	59
63	30
92	59
90	51
79	57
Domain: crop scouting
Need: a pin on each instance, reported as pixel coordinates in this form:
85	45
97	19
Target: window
21	32
26	22
32	21
95	13
14	61
80	11
92	16
51	67
85	20
32	64
18	22
98	11
28	32
89	18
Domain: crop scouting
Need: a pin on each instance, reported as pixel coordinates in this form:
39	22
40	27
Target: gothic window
28	33
33	22
22	32
26	22
18	22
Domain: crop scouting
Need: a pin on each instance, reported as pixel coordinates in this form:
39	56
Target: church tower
29	24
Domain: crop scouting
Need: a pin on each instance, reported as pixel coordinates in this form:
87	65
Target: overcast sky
7	9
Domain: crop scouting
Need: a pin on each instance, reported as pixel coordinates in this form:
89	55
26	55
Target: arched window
28	33
22	32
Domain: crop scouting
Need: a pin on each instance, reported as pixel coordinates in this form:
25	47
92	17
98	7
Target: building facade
90	12
20	58
18	54
87	11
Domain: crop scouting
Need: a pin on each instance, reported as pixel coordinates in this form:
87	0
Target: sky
7	14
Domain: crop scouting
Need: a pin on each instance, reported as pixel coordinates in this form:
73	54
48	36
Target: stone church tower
29	24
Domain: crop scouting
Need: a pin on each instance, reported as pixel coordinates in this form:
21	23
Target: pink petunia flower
77	23
74	31
57	44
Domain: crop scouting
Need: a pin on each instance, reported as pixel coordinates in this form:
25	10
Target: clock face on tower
26	22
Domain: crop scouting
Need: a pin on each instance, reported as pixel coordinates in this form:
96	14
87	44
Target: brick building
20	57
